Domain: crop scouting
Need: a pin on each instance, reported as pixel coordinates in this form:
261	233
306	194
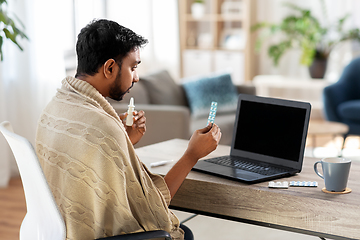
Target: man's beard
115	90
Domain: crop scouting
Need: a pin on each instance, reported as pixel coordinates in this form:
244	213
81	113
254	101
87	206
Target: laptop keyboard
259	168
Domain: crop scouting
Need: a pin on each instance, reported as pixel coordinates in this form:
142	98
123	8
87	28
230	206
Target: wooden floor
12	210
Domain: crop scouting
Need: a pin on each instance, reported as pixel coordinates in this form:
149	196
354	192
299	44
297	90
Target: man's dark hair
101	40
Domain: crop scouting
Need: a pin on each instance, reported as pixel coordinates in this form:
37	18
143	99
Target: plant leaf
11	31
19	32
4	17
341	22
12	37
276	51
308	53
19	21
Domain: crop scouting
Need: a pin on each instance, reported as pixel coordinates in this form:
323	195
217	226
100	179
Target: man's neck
94	81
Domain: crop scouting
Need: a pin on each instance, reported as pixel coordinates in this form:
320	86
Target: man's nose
136	77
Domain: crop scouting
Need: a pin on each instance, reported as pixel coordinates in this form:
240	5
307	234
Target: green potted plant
8	28
302	30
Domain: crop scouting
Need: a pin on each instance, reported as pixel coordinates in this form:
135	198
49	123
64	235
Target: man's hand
202	142
138	129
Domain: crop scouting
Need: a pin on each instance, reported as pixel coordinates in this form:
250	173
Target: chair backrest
345	89
43	219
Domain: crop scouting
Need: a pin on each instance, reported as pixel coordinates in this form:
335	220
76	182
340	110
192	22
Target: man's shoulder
81	116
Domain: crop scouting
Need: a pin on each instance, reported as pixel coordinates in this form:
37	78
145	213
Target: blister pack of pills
212	113
303	184
284	184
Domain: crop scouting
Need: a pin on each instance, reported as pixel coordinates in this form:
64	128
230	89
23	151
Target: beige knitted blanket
100	185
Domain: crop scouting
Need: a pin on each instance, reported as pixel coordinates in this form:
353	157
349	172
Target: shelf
214	17
233	18
218	36
207	17
231	50
216	49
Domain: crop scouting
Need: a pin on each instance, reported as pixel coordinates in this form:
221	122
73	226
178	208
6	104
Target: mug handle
316	171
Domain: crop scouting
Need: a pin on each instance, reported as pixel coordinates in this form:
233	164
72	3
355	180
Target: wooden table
302	210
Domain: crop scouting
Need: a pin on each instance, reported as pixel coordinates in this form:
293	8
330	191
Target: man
101	187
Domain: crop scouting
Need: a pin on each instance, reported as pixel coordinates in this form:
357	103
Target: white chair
43	220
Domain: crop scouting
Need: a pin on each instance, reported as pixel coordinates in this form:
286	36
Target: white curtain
4	150
30	78
273	11
156	20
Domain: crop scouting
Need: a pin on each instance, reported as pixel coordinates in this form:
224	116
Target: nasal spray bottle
129	118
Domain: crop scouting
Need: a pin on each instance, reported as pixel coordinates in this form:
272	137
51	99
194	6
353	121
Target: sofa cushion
350	110
201	91
163	90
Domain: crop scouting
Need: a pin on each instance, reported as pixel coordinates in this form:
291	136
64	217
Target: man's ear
109	70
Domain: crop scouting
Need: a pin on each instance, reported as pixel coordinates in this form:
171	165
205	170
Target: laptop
268	141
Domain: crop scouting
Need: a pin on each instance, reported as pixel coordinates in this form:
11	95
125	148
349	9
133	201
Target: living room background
29	79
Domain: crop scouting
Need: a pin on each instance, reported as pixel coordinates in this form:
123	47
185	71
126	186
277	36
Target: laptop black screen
270	129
